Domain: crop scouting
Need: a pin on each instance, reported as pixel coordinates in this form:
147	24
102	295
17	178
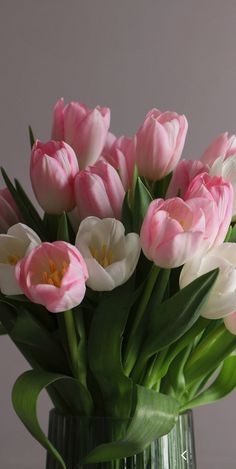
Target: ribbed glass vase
74	437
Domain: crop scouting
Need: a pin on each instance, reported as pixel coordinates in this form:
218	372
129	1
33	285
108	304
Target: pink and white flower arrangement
135	255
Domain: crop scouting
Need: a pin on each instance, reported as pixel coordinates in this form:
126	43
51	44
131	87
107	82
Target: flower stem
154	373
135	337
71	341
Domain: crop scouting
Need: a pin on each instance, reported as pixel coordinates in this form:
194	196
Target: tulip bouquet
121	294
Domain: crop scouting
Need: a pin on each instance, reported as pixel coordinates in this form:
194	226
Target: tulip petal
99	278
8	282
230	323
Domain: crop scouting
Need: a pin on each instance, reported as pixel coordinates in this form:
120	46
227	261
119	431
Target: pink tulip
160	142
83	128
110	139
53	275
172	232
9	213
216	198
223	145
99	191
52	171
121	155
183	174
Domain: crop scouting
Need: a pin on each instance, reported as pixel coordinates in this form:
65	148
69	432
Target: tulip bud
121	155
9	213
84	129
172	232
223	145
160	142
183	174
99	191
216	196
226	167
110	140
52	170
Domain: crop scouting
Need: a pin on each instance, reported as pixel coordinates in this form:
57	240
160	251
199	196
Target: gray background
130	55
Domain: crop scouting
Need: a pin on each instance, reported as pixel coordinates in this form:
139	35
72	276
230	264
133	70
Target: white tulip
227	169
111	257
19	241
222	298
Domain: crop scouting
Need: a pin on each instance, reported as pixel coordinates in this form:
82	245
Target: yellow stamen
104	256
55	275
52	266
12	259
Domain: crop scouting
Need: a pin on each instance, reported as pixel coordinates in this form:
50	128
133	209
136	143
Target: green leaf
232	238
223	385
155	414
62	229
28	204
31	137
209	354
51	223
25	206
160	187
177	315
142	200
228	234
104	349
25	394
7	315
35	339
43	351
177	347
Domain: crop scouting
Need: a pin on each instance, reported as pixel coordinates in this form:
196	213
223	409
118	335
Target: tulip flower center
55	274
13	259
104	255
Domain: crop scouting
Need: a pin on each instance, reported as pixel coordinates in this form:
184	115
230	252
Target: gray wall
130	55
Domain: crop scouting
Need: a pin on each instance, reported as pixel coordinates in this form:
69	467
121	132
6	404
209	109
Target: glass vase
74	437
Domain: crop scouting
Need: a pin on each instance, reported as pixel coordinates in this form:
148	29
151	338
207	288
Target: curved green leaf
177	347
31	137
223	385
232	238
155	414
142	200
177	315
161	186
24	204
25	394
209	354
30	334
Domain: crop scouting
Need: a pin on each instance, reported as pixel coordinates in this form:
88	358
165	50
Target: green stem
71	341
132	345
154	373
146	296
204	345
162	285
81	348
138	371
147	381
209	354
